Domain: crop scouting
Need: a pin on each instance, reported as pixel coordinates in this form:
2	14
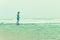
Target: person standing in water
18	18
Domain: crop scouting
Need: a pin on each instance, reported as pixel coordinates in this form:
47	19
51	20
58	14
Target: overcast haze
30	8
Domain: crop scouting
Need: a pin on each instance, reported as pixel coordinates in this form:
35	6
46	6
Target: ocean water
30	20
30	31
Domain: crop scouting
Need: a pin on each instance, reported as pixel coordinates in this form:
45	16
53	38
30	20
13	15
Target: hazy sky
30	8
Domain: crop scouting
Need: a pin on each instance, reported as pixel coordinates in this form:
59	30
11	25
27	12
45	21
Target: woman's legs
17	22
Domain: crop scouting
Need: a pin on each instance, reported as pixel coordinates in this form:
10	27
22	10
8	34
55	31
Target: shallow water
30	32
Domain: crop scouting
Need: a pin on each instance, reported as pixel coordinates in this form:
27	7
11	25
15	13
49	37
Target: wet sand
30	32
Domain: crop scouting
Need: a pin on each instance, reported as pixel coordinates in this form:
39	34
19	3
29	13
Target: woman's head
18	12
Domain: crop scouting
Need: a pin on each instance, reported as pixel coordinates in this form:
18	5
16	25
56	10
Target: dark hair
18	12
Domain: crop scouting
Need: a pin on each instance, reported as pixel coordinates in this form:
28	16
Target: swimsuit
18	17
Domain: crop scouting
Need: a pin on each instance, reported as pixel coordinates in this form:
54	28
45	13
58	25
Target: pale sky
30	8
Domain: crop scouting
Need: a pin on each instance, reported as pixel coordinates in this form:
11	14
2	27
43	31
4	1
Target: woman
18	17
